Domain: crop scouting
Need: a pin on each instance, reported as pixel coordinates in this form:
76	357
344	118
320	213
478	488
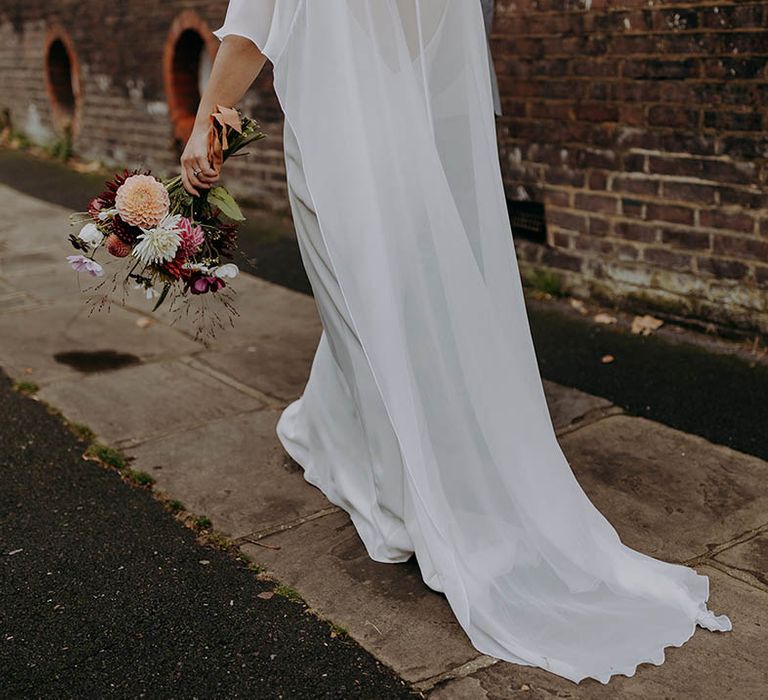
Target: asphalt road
723	398
103	593
719	397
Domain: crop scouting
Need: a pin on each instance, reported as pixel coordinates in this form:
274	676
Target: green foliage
163	295
61	148
547	282
221	199
26	387
81	432
338	630
203	523
175	506
106	455
139	478
13	138
289	593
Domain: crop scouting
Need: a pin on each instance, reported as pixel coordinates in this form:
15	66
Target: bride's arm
237	64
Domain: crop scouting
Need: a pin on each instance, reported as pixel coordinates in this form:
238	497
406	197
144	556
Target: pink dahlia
192	237
142	201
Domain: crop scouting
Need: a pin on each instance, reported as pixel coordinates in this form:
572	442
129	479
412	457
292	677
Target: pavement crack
130	443
748	578
462	671
255	537
717	549
591	417
203	368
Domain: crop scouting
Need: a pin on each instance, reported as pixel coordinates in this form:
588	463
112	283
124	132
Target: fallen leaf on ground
266	595
578	304
607	319
144	322
86	167
607	359
645	325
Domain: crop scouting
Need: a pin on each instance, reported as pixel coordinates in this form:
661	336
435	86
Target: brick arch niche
189	52
62	78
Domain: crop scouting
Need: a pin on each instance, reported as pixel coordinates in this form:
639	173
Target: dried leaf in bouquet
218	142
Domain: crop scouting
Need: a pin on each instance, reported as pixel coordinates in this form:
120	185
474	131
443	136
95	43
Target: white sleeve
267	23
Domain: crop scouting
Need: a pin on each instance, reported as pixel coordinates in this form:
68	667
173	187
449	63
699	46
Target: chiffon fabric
424	415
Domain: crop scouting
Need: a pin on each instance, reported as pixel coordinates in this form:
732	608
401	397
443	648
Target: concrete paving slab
232	471
385	607
36	231
26	208
46	282
269	314
710	666
669	494
31	340
274	366
146	401
14	302
571	407
274	340
17	262
748	560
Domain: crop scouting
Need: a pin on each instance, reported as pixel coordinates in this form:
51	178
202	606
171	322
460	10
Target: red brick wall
640	125
643	128
124	109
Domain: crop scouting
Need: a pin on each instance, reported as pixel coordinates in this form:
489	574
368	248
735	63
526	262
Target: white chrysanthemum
159	244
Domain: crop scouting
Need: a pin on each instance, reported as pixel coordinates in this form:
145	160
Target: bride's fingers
195	180
187	184
204	172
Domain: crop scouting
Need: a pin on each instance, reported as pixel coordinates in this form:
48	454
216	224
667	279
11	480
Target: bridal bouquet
170	245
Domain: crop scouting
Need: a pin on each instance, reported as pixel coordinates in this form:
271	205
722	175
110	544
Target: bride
424	416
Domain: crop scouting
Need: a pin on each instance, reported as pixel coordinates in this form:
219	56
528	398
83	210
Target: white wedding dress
424	415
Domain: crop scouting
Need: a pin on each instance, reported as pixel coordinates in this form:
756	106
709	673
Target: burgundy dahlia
175	267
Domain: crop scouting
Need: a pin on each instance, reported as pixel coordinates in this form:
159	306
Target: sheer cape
391	104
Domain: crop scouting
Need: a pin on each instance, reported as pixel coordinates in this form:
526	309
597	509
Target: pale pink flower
142	201
80	263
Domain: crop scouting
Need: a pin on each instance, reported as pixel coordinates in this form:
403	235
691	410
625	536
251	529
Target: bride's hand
197	173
